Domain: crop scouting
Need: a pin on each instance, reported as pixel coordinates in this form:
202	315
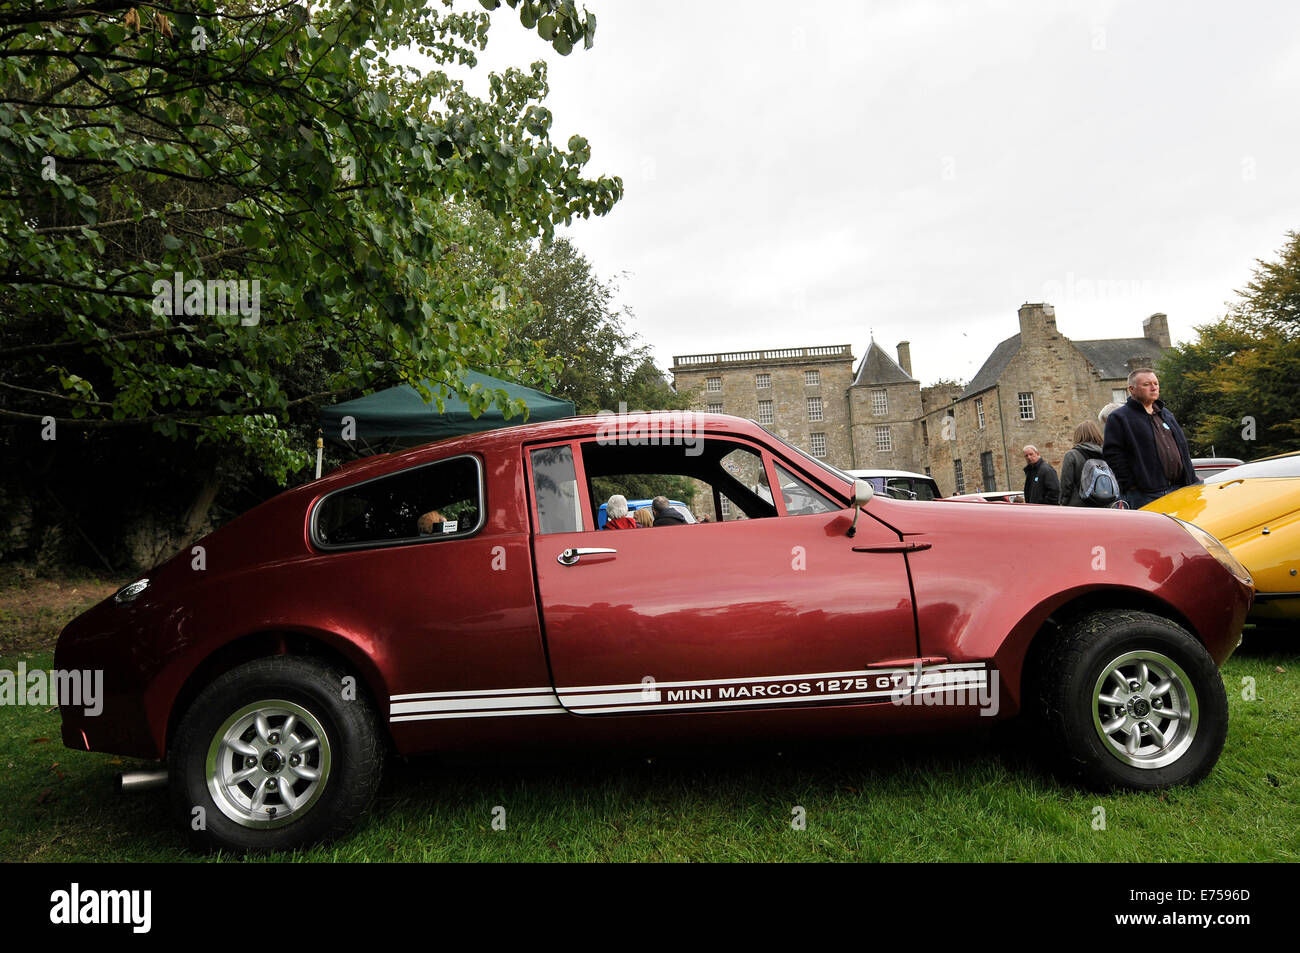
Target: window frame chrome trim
313	534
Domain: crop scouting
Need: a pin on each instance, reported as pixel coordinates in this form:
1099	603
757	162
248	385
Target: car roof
649	423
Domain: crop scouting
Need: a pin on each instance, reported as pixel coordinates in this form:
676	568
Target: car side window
555	490
800	498
438	500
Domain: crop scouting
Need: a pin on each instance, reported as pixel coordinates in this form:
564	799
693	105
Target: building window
884	443
715	408
1026	399
879	403
762	381
713	385
812	378
925	434
814	408
764	411
979	411
817	444
726	507
1118	395
986	469
928	473
961	478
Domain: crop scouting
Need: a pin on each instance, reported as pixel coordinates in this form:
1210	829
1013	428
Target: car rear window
436	501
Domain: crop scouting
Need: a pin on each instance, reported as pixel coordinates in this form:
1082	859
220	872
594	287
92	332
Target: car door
783	611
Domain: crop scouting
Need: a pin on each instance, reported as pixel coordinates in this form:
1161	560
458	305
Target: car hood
1233	508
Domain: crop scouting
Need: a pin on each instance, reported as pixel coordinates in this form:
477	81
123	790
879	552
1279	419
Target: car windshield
1287	466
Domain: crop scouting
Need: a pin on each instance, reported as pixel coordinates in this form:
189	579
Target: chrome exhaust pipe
132	782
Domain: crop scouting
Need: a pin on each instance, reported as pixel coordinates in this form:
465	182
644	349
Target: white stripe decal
638	696
476	691
473	704
479	714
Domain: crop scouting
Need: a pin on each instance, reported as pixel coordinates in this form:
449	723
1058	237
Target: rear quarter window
442	500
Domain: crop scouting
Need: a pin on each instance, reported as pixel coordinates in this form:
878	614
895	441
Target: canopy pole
320	451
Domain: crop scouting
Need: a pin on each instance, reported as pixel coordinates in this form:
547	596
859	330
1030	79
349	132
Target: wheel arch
269	642
1039	628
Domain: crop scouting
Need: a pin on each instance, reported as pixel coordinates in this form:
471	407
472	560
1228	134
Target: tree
1273	296
1236	389
219	214
197	195
578	324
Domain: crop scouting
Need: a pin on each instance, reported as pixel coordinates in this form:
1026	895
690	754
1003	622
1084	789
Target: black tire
1104	744
334	735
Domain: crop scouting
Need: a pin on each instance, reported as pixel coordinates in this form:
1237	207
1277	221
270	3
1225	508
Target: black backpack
1097	483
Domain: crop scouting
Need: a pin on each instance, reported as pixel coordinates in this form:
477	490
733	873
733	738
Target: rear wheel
273	755
1130	699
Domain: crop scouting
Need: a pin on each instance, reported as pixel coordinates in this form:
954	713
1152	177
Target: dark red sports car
459	596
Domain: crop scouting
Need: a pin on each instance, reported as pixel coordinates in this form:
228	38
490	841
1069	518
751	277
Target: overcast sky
813	173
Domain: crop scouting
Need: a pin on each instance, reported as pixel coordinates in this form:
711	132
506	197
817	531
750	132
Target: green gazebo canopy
401	413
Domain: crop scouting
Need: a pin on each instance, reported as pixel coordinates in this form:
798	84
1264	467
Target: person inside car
665	515
616	513
428	523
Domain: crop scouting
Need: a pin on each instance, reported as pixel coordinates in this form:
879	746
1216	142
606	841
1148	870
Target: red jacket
621	522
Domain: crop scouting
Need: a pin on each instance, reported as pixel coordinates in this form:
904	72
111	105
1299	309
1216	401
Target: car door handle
893	548
570	557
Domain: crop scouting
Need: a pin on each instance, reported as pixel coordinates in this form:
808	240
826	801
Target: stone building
1035	387
798	393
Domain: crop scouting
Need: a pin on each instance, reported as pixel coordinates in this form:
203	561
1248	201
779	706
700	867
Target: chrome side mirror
862	494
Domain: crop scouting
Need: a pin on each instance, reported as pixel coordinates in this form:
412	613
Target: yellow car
1254	509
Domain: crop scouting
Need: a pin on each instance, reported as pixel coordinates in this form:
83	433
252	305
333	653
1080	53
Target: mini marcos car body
459	596
1255	510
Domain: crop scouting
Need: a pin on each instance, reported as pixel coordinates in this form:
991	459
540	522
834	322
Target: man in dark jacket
1041	484
1145	446
665	515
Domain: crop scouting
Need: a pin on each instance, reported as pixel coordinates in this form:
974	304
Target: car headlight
129	593
1218	551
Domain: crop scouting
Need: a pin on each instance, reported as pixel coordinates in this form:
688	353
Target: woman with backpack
1091	488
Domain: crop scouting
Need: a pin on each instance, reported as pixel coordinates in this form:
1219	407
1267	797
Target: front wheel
279	753
1132	700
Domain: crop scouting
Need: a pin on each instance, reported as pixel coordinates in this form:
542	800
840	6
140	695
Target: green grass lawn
915	799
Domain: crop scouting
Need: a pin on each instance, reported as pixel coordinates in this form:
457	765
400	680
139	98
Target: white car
991	496
899	484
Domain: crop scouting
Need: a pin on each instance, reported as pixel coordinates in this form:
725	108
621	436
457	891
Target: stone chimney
1156	330
1035	319
905	356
